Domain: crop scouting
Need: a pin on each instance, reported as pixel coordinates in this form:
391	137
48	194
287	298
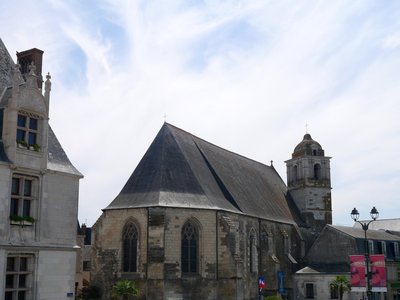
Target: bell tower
309	183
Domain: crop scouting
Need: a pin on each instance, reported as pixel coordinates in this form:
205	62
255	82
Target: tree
341	284
125	288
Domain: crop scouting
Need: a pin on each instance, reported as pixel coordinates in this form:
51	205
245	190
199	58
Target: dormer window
381	247
395	249
27	131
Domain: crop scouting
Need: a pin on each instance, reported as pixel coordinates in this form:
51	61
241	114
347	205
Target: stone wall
223	258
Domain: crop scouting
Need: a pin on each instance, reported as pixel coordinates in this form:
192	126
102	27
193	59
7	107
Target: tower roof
308	147
182	170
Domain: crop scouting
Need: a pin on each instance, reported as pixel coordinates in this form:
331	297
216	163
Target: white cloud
245	76
392	41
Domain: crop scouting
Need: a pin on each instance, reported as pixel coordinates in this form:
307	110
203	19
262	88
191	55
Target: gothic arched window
252	252
130	247
295	174
189	248
317	171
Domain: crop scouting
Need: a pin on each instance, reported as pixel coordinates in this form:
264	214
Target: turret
309	183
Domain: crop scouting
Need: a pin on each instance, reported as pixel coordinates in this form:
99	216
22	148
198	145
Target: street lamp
374	215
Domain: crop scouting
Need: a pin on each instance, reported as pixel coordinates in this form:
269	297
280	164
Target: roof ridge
214	145
186	158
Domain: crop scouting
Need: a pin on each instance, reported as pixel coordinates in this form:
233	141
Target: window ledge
190	276
30	148
21	223
30	152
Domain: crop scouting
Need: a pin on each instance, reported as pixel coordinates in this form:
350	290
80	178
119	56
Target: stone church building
39	188
195	221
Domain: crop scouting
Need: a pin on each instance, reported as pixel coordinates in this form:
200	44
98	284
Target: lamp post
374	215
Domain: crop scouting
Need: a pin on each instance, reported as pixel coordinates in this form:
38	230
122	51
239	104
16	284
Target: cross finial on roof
165	117
306	127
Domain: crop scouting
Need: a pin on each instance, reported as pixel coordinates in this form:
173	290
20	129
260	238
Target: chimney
25	58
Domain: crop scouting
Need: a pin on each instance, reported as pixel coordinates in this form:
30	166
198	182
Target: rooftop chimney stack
25	58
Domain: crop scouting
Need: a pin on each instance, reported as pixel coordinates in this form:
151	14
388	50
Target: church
196	221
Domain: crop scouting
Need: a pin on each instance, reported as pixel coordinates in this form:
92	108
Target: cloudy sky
245	75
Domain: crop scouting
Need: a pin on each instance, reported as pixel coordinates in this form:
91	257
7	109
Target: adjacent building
329	257
38	188
83	257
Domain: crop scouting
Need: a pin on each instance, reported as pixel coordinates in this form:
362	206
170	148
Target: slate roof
182	170
6	67
358	233
57	159
387	224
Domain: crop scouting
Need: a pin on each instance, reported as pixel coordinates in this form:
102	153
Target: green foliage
16	218
342	284
22	143
21	220
36	147
29	219
124	288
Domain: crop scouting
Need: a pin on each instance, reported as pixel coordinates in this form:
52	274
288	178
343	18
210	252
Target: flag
378	272
261	282
357	271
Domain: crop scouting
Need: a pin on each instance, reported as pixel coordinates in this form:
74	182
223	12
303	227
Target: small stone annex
195	221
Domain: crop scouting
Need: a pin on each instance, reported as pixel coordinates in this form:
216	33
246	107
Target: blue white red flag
261	283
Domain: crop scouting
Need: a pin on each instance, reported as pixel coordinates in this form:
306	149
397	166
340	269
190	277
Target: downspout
216	243
147	244
259	248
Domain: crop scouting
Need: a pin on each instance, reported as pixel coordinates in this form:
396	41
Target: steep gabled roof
57	160
182	170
